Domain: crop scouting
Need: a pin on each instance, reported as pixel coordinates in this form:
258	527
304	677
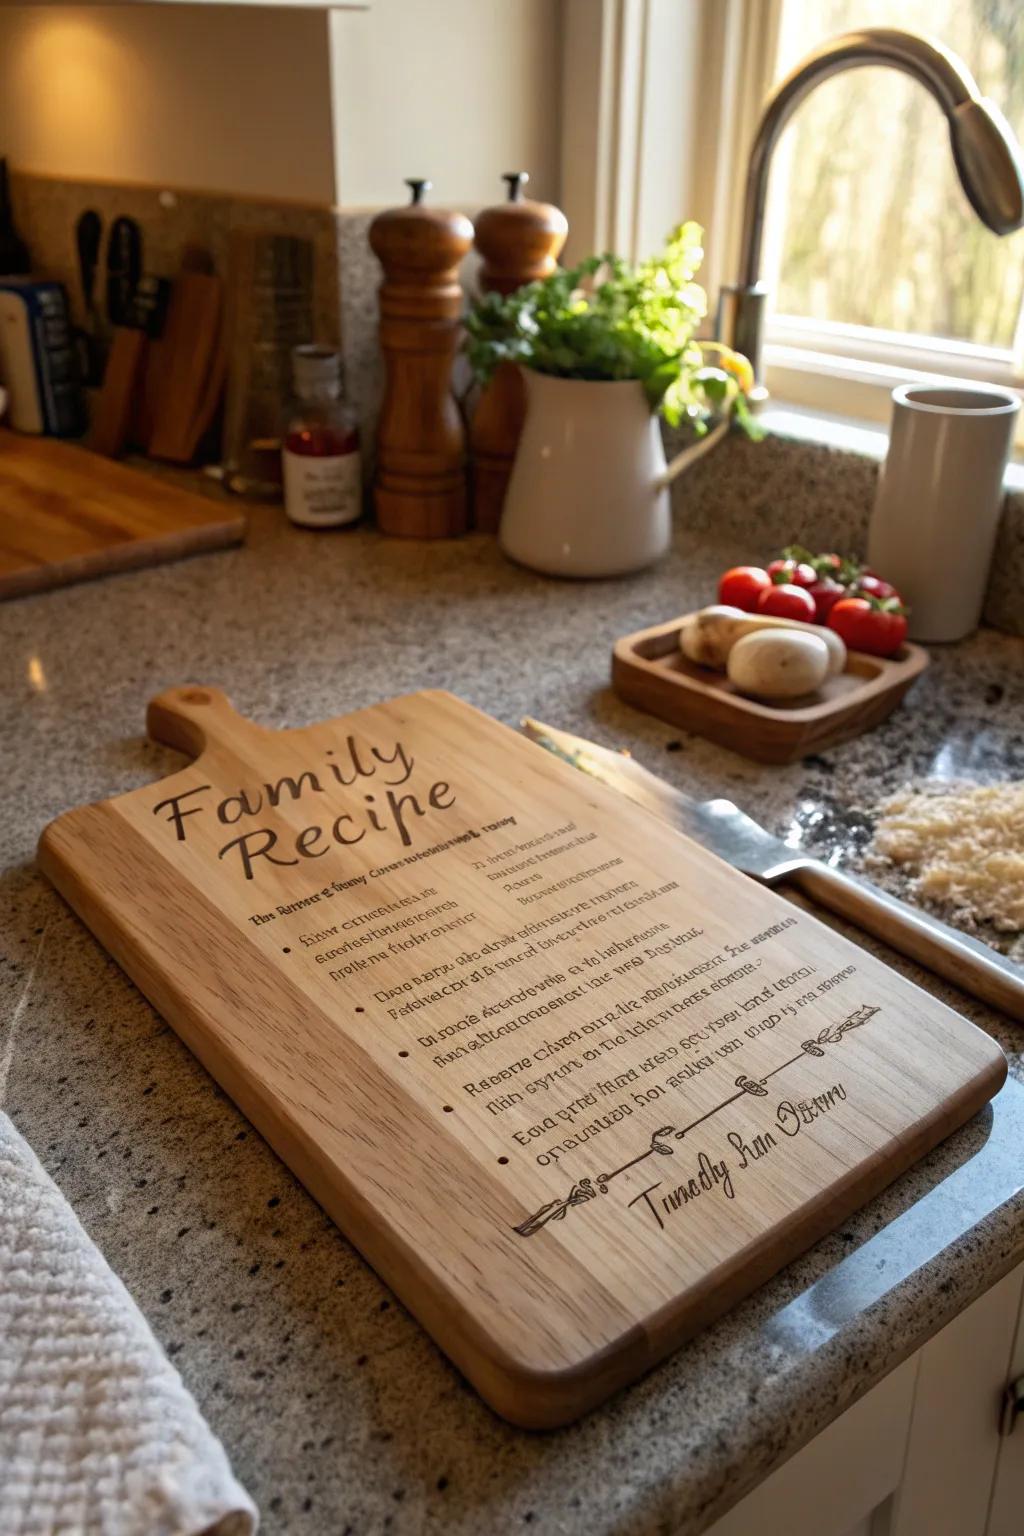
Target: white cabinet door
1007	1514
921	1454
954	1442
834	1485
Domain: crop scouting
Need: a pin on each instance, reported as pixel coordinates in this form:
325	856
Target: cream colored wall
456	90
207	97
228	99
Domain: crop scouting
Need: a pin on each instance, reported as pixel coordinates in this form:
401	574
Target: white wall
204	97
235	99
456	90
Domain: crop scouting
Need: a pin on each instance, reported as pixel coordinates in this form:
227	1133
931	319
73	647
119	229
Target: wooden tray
650	672
571	1084
67	514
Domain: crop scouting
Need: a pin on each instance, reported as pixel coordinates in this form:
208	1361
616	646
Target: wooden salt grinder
520	242
420	483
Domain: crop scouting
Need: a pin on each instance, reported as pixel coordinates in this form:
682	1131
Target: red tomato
796	573
787	602
867	624
870	585
826	594
742	586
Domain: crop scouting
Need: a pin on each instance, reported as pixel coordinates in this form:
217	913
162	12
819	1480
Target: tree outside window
868	223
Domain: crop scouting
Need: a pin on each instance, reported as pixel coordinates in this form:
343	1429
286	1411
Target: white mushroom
708	637
778	664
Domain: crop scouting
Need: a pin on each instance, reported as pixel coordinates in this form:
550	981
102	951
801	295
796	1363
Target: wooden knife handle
966	962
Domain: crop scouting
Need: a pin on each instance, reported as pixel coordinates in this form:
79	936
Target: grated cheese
964	847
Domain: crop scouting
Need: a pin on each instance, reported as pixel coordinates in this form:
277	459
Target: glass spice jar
320	455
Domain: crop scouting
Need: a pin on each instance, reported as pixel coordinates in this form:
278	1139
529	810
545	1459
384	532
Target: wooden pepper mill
520	242
420	484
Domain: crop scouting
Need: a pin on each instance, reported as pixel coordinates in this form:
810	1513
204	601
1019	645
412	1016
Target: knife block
420	484
520	242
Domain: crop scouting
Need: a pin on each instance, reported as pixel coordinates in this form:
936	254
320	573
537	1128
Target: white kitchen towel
98	1436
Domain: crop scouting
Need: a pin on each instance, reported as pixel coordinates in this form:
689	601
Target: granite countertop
338	1412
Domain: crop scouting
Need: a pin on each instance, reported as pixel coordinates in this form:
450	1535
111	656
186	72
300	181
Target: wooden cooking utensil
520	242
573	1085
420	486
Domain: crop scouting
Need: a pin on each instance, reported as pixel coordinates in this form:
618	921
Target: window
877	264
880	273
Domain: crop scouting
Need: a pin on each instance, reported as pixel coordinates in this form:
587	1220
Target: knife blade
124	268
720	826
90	340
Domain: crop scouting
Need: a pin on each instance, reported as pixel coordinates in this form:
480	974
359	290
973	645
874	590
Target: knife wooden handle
966	962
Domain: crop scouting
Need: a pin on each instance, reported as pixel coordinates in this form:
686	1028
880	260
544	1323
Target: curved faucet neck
944	75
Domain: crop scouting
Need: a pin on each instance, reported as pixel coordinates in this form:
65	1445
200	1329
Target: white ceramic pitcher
588	494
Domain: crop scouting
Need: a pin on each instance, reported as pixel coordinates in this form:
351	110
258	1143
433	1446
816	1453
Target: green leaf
609	319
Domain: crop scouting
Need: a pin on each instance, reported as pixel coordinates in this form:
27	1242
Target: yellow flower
733	362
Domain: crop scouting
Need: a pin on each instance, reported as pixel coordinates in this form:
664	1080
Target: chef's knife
124	268
730	833
92	351
88	235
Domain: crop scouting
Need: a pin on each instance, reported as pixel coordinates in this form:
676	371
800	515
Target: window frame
851	370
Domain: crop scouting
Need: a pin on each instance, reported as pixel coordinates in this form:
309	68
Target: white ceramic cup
939	499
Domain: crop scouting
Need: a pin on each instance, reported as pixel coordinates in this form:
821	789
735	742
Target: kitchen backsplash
359	278
346	274
46	209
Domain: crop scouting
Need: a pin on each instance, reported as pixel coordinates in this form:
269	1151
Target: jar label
322	492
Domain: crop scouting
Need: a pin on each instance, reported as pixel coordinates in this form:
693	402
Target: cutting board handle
194	717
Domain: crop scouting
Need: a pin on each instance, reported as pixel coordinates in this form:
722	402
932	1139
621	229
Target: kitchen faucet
986	153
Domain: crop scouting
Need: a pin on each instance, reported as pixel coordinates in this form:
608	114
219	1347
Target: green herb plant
609	319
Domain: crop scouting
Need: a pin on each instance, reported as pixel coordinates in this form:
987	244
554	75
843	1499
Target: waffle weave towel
98	1436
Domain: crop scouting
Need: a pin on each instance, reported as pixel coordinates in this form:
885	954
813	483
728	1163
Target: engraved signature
590	1187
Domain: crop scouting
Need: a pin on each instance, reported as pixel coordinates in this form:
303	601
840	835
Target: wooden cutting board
571	1084
67	514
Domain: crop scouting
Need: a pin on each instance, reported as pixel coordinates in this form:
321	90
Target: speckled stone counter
339	1414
